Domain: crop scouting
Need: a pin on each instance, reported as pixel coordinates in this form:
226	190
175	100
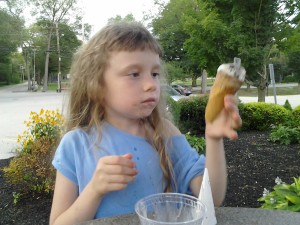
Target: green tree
118	18
10	39
207	33
291	46
54	11
68	42
174	72
294	62
254	27
168	27
204	34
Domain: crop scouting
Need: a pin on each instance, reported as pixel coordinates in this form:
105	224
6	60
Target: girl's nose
150	83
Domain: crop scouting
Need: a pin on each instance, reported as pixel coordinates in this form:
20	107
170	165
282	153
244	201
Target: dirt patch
253	164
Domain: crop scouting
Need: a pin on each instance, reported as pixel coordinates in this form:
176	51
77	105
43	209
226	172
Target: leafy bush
296	116
31	168
289	79
285	135
192	114
174	109
197	143
287	105
284	197
262	116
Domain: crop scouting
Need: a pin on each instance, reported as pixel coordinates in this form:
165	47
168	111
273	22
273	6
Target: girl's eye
155	74
134	74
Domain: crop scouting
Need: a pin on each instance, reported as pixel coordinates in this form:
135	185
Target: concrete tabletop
225	216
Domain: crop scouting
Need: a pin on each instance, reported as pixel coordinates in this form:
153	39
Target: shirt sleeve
64	158
186	161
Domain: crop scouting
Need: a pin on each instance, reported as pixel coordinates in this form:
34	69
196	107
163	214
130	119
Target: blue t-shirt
78	153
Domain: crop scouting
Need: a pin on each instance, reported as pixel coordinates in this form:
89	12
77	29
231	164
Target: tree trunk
261	89
45	88
203	82
261	94
194	81
248	87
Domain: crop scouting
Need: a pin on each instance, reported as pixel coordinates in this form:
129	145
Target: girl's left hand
227	121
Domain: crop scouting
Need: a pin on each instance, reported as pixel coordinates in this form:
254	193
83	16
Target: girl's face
132	86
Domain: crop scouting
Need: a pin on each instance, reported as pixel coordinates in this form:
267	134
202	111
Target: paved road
16	103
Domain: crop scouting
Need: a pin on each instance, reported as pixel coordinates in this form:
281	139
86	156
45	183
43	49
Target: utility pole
34	50
82	31
272	76
22	72
27	67
45	86
83	9
59	59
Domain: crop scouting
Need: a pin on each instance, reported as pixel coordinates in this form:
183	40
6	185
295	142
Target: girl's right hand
113	173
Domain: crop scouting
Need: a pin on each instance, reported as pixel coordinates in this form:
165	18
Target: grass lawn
188	82
252	92
52	86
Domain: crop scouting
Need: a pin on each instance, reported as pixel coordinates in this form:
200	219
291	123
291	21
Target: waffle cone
223	85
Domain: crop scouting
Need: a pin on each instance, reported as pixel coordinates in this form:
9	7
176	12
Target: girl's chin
145	113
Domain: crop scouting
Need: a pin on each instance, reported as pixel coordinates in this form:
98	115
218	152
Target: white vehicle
175	95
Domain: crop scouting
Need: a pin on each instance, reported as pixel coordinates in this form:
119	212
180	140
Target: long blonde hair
86	106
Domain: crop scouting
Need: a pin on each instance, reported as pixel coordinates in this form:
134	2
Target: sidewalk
16	103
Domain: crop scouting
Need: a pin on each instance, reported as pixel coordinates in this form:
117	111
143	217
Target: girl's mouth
149	100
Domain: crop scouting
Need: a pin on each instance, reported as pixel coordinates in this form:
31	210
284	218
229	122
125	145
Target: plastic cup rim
168	194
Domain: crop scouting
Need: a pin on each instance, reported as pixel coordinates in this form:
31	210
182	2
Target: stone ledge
225	216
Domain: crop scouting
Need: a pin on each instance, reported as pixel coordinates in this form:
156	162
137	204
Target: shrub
285	135
174	109
284	197
31	168
287	105
262	116
192	114
197	143
296	116
289	79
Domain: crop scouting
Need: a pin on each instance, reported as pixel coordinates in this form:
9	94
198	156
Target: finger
230	104
231	134
231	98
236	121
122	179
115	187
127	156
118	169
233	112
118	160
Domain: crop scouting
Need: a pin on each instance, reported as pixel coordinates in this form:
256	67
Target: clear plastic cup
170	208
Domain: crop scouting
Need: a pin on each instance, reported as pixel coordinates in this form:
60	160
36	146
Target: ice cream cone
229	79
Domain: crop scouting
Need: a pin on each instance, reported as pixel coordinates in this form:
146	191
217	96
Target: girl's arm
112	173
68	207
224	126
216	166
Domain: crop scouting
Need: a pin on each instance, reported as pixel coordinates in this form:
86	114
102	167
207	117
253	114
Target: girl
119	146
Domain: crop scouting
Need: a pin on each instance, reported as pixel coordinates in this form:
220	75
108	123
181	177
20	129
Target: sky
97	13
